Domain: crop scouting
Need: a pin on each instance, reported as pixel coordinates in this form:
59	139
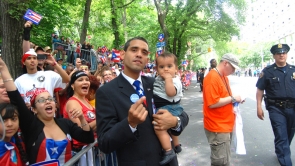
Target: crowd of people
53	112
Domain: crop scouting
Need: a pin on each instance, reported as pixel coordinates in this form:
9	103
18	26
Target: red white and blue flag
185	63
9	154
59	150
103	59
33	16
104	49
115	56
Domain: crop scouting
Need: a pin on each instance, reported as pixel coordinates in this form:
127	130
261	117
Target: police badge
280	46
41	79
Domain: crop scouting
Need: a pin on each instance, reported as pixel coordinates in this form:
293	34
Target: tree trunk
162	13
85	22
115	27
12	29
124	24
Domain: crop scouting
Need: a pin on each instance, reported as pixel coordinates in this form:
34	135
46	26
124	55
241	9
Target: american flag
32	16
185	63
115	56
104	49
103	59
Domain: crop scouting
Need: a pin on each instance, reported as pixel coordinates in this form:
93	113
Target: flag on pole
33	16
115	56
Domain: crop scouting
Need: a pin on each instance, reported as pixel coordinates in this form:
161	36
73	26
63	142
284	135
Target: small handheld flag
33	16
116	56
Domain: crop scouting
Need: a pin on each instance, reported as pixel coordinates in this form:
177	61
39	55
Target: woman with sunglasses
45	137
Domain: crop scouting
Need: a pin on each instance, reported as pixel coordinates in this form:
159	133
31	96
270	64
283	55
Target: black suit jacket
141	148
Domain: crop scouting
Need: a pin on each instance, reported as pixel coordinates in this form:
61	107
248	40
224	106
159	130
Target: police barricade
72	54
102	157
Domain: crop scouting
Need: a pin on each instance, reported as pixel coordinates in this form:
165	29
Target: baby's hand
166	76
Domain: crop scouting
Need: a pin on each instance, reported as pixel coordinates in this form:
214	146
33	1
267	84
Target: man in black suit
127	126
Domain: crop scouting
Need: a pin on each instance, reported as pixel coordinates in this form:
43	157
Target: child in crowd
11	148
167	95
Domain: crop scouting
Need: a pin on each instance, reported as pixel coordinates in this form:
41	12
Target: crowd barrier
72	54
102	157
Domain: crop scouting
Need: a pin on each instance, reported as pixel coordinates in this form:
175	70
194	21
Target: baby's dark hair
10	112
167	54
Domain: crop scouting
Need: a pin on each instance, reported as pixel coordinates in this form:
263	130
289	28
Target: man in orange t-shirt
219	117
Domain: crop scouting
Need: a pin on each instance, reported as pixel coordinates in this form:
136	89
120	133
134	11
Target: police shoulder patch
261	74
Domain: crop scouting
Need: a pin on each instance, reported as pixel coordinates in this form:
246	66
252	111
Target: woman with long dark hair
11	148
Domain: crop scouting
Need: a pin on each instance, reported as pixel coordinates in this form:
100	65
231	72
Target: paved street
258	134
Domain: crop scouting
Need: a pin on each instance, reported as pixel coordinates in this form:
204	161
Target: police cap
280	48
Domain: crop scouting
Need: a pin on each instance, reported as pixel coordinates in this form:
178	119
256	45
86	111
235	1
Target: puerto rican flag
59	150
33	16
115	56
9	154
103	59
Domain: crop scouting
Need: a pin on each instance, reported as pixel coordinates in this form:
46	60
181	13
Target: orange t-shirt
219	119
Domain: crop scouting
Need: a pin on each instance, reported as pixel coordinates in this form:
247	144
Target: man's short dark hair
212	60
127	44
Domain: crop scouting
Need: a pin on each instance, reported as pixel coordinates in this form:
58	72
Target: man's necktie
139	91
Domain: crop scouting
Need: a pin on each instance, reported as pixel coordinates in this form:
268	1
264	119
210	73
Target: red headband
36	93
25	56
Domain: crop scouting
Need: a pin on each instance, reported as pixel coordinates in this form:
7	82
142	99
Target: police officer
278	82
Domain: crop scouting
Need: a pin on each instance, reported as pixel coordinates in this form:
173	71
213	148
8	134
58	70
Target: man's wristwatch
233	100
178	124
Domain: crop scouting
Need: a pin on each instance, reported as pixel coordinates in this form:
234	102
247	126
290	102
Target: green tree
201	20
11	12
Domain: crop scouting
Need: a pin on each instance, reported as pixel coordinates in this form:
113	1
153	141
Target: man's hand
137	113
28	24
164	120
260	113
50	59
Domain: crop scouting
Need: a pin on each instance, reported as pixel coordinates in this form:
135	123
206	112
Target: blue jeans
93	62
175	109
283	125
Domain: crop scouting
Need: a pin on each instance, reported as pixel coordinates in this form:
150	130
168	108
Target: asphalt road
258	134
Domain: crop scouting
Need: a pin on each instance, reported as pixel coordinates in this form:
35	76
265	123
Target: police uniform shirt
278	82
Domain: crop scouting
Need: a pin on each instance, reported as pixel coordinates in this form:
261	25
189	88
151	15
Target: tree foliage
111	22
183	21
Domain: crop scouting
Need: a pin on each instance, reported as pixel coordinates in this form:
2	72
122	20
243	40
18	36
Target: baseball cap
231	59
47	48
39	48
27	54
58	59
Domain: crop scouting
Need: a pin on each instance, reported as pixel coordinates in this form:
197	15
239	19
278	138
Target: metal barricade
72	55
102	157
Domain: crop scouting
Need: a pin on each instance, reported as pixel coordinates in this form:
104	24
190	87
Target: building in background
271	21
